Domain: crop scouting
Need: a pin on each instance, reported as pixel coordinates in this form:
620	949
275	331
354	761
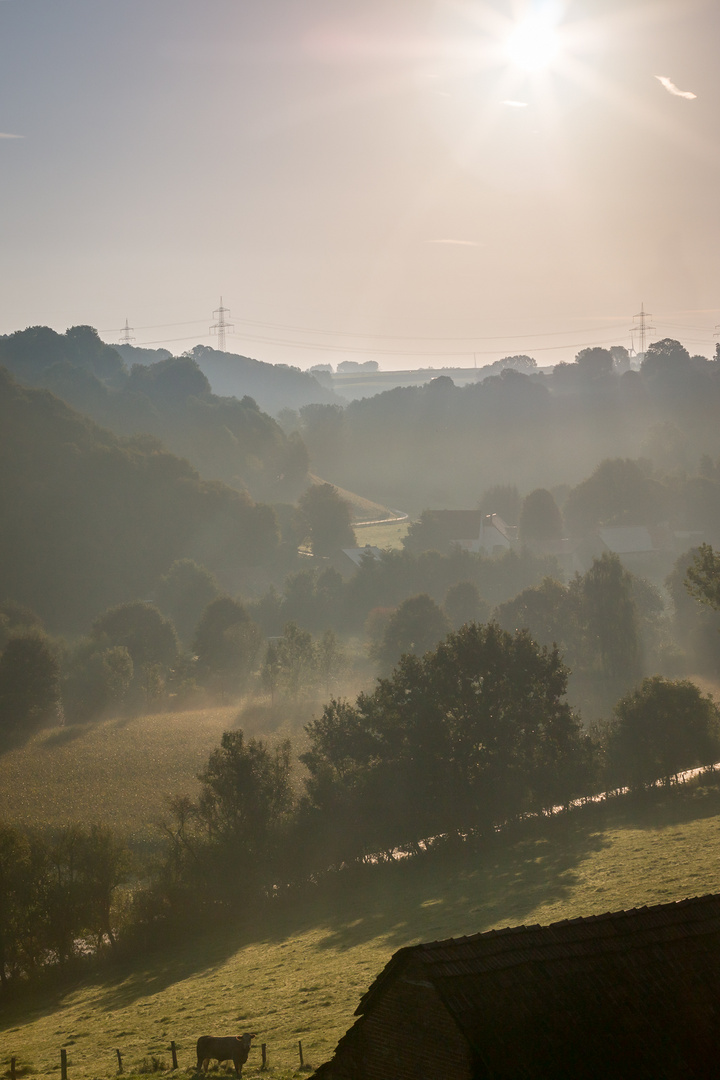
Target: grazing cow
235	1047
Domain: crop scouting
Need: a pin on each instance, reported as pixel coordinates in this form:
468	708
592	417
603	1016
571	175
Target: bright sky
421	182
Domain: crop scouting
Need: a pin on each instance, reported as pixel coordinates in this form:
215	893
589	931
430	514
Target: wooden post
301	1056
12	1068
63	1063
173	1051
264	1057
119	1057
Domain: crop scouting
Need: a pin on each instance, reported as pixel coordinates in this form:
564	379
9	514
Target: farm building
631	994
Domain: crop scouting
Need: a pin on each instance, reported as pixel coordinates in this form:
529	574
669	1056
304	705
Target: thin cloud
672	88
515	104
461	243
5	135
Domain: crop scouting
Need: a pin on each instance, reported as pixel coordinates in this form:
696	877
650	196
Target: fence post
63	1063
119	1057
301	1053
264	1057
173	1051
12	1068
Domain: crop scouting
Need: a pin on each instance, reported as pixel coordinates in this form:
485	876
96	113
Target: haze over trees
92	520
225	438
326	519
540	518
492	667
440	444
29	684
703	576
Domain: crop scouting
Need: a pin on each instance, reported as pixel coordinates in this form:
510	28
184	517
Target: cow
230	1047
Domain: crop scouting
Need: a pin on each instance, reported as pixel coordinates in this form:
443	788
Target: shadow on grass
447	893
460	892
62	736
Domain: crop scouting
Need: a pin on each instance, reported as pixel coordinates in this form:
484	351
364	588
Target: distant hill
442	445
169	397
273	386
91	519
136	354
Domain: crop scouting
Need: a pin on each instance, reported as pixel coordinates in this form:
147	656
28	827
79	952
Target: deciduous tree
184	593
540	518
227	644
415	627
147	635
29	683
702	578
469	735
659	729
463	604
327	519
611	617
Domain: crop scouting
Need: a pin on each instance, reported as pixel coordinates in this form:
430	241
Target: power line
387	352
413	337
384	337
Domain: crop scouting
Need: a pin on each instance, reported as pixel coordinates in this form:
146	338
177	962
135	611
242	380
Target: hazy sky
362	178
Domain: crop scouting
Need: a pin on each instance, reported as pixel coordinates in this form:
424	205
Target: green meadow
298	972
117	772
388	534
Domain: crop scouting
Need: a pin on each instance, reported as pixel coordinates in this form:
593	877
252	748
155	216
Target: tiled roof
625	993
457	524
627	539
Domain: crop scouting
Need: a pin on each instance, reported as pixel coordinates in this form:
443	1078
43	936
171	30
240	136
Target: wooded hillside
91	519
225	438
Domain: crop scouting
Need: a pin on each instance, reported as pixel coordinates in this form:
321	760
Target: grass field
115	772
390	533
300	972
387	535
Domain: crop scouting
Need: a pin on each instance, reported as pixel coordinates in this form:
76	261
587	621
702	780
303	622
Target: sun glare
533	44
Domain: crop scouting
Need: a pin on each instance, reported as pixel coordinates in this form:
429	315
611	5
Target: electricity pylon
221	325
126	335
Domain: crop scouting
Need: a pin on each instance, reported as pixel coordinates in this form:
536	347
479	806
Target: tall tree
466	736
666	357
463	604
540	518
327	519
184	593
619	492
20	904
702	578
227	644
551	612
291	662
612	619
415	627
660	728
595	362
96	680
29	684
147	635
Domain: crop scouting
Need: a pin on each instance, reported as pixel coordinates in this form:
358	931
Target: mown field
298	973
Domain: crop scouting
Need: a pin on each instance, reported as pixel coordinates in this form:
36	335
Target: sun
533	44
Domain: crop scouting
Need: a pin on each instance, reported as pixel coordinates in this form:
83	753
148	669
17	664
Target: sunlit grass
390	535
299	973
115	772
